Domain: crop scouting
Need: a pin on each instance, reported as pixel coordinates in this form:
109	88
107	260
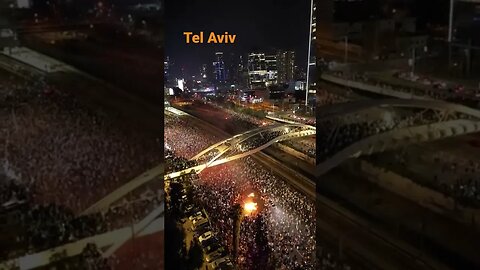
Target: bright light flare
251	195
250	207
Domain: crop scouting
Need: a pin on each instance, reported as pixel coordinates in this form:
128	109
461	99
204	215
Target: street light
425	49
249	207
346	50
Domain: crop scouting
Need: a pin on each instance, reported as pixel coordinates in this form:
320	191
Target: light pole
414	57
346	50
450	32
249	207
413	62
450	21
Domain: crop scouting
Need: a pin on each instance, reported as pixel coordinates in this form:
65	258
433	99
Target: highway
367	246
361	242
304	184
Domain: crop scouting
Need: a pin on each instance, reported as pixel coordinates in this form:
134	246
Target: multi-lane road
362	242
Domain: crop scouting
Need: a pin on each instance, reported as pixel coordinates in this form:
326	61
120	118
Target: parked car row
214	253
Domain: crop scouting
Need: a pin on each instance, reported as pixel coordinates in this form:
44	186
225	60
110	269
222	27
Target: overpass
375	89
468	121
245	144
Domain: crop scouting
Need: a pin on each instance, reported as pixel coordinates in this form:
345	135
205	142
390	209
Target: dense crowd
306	146
454	176
288	217
57	147
57	158
448	93
39	227
325	97
259	140
255	123
245	120
184	138
335	134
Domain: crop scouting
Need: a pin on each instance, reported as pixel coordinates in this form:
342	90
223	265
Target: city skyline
269	24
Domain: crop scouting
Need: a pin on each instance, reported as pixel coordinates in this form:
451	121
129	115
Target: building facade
285	66
219	71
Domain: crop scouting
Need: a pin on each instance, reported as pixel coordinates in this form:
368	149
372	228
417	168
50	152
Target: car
205	236
199	222
191	211
188	208
214	245
216	254
196	220
195	216
222	263
201	230
225	266
209	242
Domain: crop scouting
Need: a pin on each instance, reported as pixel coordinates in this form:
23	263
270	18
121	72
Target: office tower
219	68
311	62
257	70
463	34
285	66
271	65
204	72
166	69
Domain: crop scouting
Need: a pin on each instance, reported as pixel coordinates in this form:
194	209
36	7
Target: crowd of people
288	216
57	147
450	174
184	138
245	120
324	98
59	157
307	146
450	93
337	133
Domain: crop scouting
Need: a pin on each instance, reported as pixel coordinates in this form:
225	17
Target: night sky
258	24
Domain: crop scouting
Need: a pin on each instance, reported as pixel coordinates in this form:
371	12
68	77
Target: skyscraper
166	69
219	68
257	70
272	72
204	72
285	66
311	63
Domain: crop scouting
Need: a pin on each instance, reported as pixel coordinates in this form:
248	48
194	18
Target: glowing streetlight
249	208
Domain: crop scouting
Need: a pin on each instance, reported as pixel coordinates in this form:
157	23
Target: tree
195	256
261	240
237	217
176	251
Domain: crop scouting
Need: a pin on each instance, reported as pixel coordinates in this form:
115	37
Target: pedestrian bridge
245	144
467	121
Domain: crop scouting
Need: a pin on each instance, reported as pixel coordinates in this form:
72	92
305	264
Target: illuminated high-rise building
271	64
204	72
257	70
219	68
311	62
166	69
285	66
